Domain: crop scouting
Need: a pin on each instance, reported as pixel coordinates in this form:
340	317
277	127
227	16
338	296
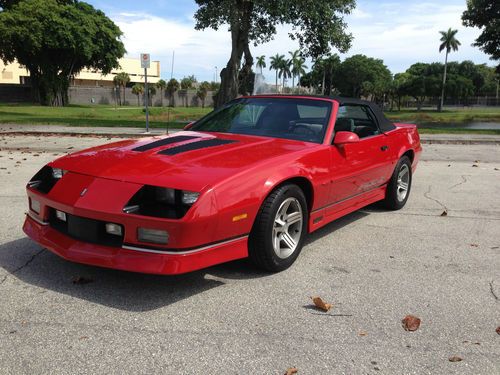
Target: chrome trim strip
135	248
34	218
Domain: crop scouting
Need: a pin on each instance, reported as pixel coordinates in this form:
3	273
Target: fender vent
164	142
195	146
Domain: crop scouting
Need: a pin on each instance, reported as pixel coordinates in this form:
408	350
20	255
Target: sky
398	32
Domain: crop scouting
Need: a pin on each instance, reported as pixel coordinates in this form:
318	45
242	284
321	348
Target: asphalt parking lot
374	266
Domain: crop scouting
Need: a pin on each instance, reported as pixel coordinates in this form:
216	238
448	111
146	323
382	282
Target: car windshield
289	118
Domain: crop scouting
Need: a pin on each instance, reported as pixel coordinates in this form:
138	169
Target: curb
423	140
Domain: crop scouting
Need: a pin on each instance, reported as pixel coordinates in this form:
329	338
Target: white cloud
400	34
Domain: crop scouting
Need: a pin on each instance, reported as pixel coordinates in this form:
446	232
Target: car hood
186	160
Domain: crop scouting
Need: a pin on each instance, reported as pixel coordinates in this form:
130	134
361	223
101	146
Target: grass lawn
447	116
101	115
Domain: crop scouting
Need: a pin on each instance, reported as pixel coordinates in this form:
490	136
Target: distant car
250	179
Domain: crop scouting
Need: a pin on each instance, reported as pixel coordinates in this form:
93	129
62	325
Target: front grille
85	230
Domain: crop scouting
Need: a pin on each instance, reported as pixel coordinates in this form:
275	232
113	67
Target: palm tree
138	89
151	93
298	67
172	86
285	71
261	62
276	63
161	85
121	80
449	42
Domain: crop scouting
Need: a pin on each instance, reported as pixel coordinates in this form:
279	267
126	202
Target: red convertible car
250	179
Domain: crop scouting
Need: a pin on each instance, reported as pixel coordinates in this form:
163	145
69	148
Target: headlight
189	197
162	202
57	173
46	178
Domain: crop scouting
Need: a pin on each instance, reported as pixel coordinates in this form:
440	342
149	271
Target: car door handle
384	148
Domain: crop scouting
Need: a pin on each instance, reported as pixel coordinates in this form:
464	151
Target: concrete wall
15	93
104	95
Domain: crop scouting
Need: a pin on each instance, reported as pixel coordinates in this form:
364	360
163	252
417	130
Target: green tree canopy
55	40
356	71
485	14
318	26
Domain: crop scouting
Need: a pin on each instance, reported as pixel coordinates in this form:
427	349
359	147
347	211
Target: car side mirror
342	138
188	126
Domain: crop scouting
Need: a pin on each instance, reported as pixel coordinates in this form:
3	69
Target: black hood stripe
164	142
195	146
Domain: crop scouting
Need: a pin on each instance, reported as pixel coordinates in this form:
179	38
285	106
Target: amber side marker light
240	217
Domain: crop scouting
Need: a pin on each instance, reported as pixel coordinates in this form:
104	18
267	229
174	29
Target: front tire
279	230
398	189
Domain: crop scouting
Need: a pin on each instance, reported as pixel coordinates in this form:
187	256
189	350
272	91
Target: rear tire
398	189
279	230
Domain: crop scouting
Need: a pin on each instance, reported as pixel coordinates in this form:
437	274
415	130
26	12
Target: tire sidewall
287	191
393	196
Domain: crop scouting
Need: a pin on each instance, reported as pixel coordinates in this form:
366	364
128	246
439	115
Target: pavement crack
426	195
492	291
464	180
16	270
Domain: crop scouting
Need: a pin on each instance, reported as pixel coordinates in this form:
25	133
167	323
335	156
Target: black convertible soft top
383	122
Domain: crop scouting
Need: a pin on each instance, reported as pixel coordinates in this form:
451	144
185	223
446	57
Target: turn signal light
152	235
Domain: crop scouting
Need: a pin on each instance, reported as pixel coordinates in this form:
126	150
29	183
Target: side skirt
320	218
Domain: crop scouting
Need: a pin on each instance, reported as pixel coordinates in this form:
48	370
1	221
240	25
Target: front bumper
134	258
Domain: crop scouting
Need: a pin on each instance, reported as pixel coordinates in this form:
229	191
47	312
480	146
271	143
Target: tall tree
448	42
285	71
121	80
55	40
359	69
261	63
317	28
485	14
138	89
298	66
161	85
276	64
172	87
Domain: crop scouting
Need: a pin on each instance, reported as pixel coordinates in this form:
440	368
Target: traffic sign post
145	62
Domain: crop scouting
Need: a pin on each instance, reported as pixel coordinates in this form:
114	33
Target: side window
358	119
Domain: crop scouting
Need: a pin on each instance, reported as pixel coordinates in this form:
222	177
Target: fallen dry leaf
475	165
80	280
411	323
498	330
496	169
476	161
320	304
474	245
454	359
362	333
291	371
444	213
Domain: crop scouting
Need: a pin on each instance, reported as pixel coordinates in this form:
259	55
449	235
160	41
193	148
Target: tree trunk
323	84
276	81
440	107
240	28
